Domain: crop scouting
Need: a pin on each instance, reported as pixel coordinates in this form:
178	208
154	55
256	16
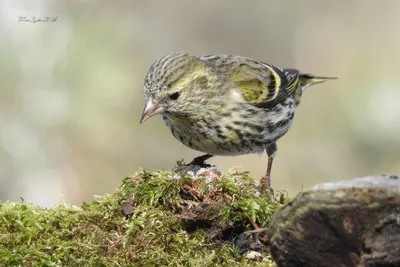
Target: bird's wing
261	83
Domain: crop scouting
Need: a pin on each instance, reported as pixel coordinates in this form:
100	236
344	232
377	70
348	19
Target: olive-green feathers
261	83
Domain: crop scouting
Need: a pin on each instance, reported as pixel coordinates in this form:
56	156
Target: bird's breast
233	130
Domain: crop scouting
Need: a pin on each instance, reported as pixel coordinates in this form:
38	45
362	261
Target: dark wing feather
291	77
289	81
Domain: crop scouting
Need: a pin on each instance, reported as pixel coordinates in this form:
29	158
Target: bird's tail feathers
306	80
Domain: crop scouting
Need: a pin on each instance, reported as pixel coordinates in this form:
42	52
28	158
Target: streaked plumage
224	104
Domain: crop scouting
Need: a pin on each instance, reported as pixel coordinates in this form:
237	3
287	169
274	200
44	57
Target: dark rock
347	223
127	209
248	242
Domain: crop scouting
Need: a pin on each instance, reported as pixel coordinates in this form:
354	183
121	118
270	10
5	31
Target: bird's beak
150	110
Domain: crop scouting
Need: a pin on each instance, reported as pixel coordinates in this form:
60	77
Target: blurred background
71	89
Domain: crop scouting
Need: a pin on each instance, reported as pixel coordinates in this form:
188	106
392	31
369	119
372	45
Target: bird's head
172	83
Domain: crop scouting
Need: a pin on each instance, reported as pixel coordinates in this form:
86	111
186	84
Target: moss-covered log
162	219
153	219
349	223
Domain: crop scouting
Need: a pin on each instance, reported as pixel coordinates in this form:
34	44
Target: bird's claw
194	166
198	162
265	184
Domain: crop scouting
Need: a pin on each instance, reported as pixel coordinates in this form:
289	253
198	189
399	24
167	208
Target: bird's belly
242	132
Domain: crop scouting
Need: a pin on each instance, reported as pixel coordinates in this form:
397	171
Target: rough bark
347	223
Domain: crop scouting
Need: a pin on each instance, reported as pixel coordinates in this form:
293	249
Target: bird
225	105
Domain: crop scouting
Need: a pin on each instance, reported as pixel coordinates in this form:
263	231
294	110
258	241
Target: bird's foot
194	166
265	184
200	162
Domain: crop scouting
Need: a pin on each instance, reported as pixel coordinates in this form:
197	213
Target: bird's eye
174	96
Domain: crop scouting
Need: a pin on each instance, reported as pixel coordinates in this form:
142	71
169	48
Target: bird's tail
306	80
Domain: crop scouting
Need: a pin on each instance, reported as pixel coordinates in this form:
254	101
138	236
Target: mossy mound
152	219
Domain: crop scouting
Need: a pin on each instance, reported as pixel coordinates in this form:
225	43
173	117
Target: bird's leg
272	149
200	161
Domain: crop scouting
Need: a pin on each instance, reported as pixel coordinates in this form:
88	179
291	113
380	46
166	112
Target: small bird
224	104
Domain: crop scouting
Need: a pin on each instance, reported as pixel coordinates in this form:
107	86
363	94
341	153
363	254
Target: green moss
167	222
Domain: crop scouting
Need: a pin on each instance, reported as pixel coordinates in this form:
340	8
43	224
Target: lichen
152	219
